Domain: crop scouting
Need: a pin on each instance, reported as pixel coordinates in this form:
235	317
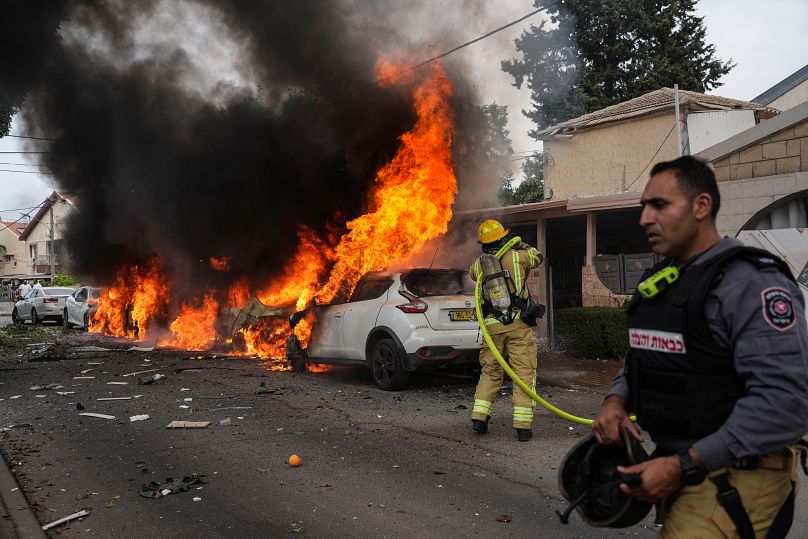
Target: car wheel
34	318
15	317
65	323
86	322
386	366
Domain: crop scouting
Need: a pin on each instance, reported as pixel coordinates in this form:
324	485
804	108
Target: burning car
80	307
395	323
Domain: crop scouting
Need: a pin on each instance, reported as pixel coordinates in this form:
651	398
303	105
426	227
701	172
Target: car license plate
462	316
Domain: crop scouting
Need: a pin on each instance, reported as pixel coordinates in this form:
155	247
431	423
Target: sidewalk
564	370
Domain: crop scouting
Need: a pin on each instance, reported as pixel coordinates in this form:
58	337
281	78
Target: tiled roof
56	195
658	100
16	228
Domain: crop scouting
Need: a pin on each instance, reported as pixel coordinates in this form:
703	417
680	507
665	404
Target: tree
532	187
600	53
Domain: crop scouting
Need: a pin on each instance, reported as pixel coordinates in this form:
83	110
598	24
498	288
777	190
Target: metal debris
99	416
171	486
142	417
74	516
140	372
188	425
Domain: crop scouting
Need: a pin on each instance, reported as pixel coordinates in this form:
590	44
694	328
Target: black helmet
589	481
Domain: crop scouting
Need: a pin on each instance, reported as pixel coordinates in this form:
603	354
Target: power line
32	138
27	214
23	164
19	209
464	45
26	171
652	158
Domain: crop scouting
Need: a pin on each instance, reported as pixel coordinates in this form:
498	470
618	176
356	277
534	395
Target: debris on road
66	393
84	378
141	372
142	348
294	461
14	397
230	408
197	499
142	417
74	516
46	386
188	425
504	518
85	371
99	416
224	422
117	383
151	380
171	486
16	425
114	399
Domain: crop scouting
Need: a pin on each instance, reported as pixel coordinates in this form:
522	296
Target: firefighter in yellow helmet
508	261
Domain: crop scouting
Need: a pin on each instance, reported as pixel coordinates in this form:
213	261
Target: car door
37	296
326	338
362	312
24	308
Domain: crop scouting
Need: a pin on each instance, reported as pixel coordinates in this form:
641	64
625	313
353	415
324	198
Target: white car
80	306
40	304
398	322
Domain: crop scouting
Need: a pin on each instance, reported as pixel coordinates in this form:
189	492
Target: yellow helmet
490	231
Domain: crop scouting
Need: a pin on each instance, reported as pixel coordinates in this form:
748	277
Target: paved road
374	463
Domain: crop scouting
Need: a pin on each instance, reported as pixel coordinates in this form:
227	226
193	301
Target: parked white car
398	322
41	304
80	307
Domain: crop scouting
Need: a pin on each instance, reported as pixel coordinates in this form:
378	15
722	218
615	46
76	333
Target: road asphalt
374	463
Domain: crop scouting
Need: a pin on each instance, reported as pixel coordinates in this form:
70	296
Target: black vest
683	385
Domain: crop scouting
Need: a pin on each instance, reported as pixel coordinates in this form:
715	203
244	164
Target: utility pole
678	128
52	246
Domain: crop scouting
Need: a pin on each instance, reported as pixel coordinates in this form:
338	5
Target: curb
22	516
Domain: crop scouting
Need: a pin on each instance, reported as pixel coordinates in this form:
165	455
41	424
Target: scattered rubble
74	516
142	417
188	425
171	486
99	416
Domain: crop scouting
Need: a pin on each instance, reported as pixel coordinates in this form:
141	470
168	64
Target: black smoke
160	166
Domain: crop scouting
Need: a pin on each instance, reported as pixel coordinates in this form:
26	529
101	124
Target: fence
621	273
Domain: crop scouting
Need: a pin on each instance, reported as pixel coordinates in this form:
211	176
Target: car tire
386	366
15	317
34	317
86	322
65	323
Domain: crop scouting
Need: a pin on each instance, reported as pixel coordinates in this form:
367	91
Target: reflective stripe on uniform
482	407
517	271
522	415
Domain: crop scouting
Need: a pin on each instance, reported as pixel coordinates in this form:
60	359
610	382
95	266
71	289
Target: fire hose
507	368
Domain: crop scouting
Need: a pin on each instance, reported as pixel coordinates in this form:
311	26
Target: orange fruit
294	461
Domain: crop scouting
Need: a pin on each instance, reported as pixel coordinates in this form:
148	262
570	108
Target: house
787	93
43	236
12	250
596	167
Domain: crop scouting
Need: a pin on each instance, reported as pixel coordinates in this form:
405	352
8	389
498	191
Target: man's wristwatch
691	474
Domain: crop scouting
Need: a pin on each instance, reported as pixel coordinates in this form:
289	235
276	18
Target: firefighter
510	332
716	370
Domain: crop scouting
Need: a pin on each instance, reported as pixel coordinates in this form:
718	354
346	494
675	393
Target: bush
64	279
597	332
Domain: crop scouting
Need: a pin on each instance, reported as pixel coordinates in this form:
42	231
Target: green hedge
598	332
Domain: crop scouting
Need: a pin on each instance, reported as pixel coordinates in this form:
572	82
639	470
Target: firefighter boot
524	435
480	427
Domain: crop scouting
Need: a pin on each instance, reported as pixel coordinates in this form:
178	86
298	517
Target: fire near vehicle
395	323
80	306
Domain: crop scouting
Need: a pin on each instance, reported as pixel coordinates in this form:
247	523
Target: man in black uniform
717	372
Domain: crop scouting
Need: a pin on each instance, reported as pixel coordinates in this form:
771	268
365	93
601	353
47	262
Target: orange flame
409	205
302	275
195	327
138	297
414	194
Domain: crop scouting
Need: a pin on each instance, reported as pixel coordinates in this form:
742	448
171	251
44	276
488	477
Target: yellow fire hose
507	368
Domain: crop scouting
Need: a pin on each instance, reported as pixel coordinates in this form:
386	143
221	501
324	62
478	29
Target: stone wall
595	293
784	152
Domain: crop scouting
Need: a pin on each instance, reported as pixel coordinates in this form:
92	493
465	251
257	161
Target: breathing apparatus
496	293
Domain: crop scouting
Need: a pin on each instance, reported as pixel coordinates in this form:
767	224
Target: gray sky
768	40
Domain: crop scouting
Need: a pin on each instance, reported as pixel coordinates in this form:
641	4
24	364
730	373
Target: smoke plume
206	128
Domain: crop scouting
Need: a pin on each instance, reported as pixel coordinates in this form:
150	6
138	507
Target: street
374	463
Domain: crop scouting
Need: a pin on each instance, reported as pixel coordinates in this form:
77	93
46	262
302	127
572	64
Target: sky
767	40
